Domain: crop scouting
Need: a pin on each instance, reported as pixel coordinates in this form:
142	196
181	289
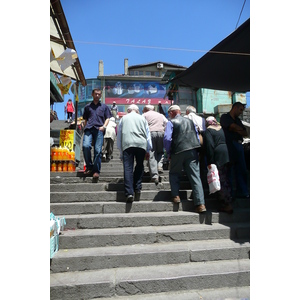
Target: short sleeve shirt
226	120
96	114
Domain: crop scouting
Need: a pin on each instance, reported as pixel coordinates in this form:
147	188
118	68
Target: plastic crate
54	241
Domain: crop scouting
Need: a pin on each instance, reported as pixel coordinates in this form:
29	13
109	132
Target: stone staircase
151	249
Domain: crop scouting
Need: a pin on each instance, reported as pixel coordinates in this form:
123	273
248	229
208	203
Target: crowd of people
191	143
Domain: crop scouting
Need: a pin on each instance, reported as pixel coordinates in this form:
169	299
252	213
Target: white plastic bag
213	179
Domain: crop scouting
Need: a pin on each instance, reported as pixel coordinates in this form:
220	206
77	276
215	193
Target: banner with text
135	92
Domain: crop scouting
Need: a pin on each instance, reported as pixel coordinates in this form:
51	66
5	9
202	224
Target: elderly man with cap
182	143
198	120
109	140
157	123
114	109
133	141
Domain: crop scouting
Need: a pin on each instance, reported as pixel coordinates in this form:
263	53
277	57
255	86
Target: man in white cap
157	123
114	109
133	141
109	140
182	144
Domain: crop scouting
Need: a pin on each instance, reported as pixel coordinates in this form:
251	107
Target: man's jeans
239	169
90	135
133	179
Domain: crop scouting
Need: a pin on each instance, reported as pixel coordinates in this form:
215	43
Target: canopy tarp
225	67
61	39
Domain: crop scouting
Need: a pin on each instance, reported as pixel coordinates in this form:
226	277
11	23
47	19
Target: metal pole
76	107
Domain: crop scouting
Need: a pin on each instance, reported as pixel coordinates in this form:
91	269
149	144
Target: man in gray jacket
182	143
133	141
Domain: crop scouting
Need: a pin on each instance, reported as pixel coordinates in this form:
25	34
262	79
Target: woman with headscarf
217	153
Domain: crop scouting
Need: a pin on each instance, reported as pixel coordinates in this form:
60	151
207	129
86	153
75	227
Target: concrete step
111	186
149	279
229	293
65	177
103	237
65	209
138	255
115	220
146	195
94	196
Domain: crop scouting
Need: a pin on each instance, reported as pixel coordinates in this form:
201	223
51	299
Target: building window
157	73
141	73
148	73
131	72
136	73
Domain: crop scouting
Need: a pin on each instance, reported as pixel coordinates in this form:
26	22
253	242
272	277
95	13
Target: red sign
138	101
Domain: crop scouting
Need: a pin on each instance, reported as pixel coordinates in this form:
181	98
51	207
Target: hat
132	107
211	120
174	107
150	107
114	102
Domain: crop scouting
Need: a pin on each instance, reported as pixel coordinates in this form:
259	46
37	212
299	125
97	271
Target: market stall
65	62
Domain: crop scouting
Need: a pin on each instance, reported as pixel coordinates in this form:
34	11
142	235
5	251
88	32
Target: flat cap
174	107
150	107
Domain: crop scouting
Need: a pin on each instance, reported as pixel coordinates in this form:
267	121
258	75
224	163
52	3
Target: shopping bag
213	179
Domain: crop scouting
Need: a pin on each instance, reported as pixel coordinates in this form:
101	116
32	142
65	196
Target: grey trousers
189	162
157	152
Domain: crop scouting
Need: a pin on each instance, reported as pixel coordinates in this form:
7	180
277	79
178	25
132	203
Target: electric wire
240	14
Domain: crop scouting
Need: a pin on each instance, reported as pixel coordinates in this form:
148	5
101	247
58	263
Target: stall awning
224	67
60	39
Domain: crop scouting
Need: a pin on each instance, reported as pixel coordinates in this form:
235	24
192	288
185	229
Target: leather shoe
88	172
200	208
227	208
154	179
137	195
176	199
129	199
96	175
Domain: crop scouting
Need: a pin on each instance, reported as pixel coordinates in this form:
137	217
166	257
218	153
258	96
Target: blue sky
174	31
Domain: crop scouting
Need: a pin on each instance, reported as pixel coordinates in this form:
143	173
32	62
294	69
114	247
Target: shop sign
66	139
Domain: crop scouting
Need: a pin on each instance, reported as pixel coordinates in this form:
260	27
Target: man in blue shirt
182	143
96	117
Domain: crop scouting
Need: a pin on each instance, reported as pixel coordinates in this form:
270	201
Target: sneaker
137	195
176	199
200	208
129	199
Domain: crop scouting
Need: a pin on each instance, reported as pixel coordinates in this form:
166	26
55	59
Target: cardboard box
54	242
